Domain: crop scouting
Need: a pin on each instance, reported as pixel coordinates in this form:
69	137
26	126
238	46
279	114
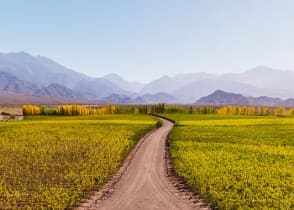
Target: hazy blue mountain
289	102
98	88
117	99
10	83
258	81
38	70
198	89
124	84
163	84
36	73
143	99
57	90
220	98
42	71
264	77
122	99
170	84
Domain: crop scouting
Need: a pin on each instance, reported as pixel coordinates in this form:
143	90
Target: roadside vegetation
51	162
235	161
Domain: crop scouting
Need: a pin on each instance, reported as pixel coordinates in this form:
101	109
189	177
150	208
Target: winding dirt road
145	184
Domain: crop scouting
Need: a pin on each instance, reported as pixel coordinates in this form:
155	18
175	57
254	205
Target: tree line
74	110
256	111
161	108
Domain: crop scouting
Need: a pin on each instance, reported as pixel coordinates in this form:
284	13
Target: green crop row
236	162
54	162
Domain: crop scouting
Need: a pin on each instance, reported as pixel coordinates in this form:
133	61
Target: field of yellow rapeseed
52	162
236	162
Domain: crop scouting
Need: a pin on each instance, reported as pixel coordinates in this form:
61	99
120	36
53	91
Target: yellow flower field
236	162
52	162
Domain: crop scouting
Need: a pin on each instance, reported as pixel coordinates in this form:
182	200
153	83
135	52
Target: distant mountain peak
124	84
114	77
220	97
263	69
21	53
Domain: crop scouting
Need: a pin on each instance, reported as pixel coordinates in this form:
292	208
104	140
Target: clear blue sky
145	39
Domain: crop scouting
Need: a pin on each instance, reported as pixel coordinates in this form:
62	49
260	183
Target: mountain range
221	98
40	77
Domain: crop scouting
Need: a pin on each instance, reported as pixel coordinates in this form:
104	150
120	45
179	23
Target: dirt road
145	185
145	181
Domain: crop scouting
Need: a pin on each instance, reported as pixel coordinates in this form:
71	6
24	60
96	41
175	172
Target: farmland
53	161
236	162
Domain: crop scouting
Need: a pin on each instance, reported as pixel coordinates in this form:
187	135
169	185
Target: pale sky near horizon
145	39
